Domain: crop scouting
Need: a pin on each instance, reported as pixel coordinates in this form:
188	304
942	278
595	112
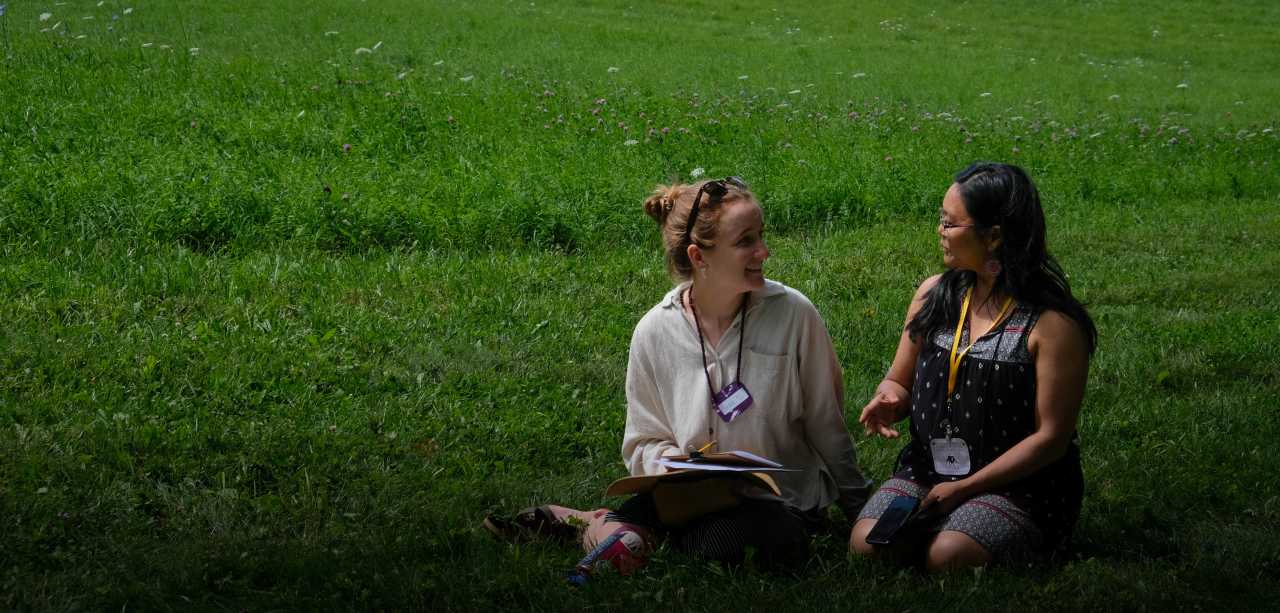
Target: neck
983	288
714	305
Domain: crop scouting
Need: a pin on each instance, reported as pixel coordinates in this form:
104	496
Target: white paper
735	468
747	455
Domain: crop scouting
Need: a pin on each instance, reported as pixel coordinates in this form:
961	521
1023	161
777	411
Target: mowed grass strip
224	385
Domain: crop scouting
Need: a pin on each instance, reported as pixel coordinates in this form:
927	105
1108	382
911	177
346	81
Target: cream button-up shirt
790	368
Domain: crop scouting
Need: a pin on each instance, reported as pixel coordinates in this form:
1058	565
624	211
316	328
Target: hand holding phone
900	510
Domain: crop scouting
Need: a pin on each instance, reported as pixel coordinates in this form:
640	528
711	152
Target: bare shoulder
1057	332
926	285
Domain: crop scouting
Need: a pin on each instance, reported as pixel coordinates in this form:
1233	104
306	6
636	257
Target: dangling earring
992	267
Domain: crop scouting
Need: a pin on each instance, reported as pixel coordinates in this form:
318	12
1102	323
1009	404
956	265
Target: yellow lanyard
955	343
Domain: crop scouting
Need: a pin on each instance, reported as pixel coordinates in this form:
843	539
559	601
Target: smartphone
893	518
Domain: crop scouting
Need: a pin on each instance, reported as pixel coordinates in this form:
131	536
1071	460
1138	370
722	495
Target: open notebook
693	487
728	461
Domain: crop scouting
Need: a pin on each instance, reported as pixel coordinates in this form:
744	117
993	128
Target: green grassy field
296	292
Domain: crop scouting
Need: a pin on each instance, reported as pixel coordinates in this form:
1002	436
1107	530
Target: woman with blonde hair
732	360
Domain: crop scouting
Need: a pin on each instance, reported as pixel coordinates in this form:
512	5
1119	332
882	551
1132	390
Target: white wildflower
145	45
87	17
467	79
859	75
101	2
742	77
82	36
438	63
363	50
697	172
128	10
401	76
46	16
794	92
631	142
1113	97
984	95
194	50
1183	86
613	69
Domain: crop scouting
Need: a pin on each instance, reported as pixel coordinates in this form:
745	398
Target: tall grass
490	126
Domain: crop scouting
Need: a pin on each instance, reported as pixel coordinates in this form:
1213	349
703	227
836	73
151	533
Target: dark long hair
1003	195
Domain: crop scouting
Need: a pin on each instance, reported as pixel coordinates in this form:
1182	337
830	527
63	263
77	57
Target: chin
755	281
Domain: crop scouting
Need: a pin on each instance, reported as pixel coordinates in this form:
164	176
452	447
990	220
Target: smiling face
963	246
736	263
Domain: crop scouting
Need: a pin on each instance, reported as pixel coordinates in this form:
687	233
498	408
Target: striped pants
777	532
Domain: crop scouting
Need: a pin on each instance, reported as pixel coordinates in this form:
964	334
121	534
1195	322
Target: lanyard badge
731	401
951	454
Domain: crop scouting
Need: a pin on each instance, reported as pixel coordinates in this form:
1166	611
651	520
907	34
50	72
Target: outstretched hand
882	412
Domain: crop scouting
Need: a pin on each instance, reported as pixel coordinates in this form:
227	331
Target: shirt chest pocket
771	380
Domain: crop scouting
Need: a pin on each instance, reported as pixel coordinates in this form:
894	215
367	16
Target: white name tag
950	456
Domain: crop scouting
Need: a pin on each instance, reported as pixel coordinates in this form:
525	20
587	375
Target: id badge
950	456
732	401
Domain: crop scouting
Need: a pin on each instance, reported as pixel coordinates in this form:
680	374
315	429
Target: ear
696	256
994	238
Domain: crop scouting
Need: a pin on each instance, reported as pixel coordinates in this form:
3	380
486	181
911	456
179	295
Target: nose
763	252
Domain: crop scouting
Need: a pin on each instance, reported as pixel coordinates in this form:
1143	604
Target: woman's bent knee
858	537
952	550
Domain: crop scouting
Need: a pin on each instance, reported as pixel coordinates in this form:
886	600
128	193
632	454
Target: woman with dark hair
990	370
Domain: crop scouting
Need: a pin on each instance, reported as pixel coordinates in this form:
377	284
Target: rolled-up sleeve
822	385
648	435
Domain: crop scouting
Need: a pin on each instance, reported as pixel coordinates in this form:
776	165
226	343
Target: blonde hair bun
661	202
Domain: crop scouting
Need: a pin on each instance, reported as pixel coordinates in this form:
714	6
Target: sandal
531	524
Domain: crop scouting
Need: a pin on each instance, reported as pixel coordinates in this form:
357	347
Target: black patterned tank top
992	409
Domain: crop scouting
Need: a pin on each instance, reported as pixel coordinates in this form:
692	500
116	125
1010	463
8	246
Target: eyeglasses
715	190
948	226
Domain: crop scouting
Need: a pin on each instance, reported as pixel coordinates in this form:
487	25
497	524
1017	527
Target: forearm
894	388
643	457
1020	461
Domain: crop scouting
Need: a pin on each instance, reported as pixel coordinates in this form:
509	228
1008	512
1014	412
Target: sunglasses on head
715	190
